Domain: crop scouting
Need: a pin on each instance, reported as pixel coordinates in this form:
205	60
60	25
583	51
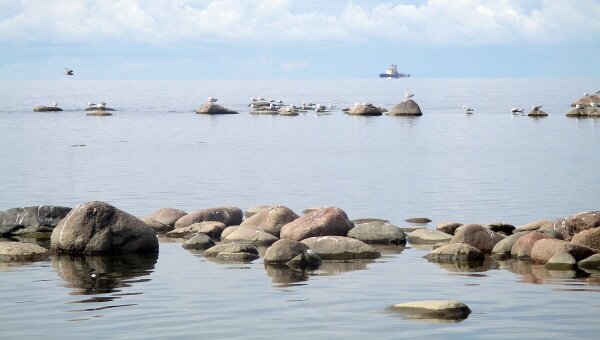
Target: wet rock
99	113
521	249
255	210
500	227
251	234
428	236
455	252
22	252
156	225
478	236
571	225
326	221
589	238
584	112
226	215
340	248
305	260
272	219
236	257
42	108
420	220
503	248
448	227
168	216
365	110
229	230
590	263
199	241
237	247
434	309
284	250
214	109
211	228
535	225
537	113
99	228
544	249
378	232
406	108
29	220
561	261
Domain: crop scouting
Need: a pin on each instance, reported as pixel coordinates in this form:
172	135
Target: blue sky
230	39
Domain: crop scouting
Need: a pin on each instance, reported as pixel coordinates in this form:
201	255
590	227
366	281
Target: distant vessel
392	72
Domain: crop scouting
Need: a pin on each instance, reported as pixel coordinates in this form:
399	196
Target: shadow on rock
88	275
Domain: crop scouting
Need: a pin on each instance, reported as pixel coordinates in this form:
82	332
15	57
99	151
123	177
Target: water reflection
284	276
89	275
469	267
538	274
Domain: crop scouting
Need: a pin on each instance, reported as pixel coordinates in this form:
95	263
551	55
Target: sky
264	39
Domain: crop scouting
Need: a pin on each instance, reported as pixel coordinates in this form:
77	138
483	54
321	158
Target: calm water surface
155	152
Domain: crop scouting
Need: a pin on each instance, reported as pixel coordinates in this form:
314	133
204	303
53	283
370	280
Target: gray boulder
43	108
231	248
214	109
284	250
406	108
428	236
455	252
99	228
199	241
433	309
378	232
22	252
323	222
340	248
503	248
211	228
272	219
168	216
535	225
571	225
226	215
156	225
478	236
28	220
365	110
251	234
255	210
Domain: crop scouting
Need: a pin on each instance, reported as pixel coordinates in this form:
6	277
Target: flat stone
231	248
236	257
378	232
251	234
98	113
455	252
434	309
42	108
428	236
22	252
535	225
199	241
213	229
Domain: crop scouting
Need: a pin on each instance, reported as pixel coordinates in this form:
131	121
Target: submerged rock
590	263
326	221
406	108
99	228
340	248
22	252
199	241
561	261
29	220
237	247
378	232
214	109
434	309
42	108
537	113
428	236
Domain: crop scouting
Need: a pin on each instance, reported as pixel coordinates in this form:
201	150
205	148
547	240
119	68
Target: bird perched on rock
408	95
90	104
516	110
579	106
54	104
468	109
212	100
535	108
68	71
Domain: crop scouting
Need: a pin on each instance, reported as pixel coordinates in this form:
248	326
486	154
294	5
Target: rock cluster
43	108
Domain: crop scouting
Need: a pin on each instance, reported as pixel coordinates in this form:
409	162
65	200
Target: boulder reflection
88	275
537	274
469	267
284	276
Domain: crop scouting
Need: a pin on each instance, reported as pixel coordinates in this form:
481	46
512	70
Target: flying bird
68	71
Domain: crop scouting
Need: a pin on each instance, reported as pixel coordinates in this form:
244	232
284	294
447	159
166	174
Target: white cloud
437	22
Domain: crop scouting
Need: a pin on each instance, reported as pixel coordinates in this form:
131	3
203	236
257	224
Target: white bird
253	107
280	101
595	104
331	106
212	100
468	109
93	275
408	95
90	104
320	108
585	94
579	106
253	99
535	108
68	71
271	100
516	110
54	104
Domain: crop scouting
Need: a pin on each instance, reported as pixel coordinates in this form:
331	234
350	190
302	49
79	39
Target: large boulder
365	110
28	220
455	252
211	228
433	309
168	216
99	228
340	248
43	108
214	109
589	238
199	241
229	248
503	248
478	236
328	221
571	225
226	215
406	108
378	232
272	219
22	252
428	236
284	250
448	227
251	234
521	248
544	249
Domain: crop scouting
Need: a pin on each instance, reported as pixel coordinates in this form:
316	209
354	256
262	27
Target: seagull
331	106
408	95
68	71
320	108
54	104
585	94
579	106
280	101
535	108
90	104
212	100
103	103
271	100
468	109
516	110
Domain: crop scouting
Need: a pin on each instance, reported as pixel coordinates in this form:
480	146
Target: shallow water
155	152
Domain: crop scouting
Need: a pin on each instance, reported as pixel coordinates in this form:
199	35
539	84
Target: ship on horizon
392	72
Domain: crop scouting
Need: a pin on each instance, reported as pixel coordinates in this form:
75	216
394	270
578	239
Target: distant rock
419	220
571	225
428	236
99	228
214	109
448	227
455	252
378	232
29	220
365	110
255	210
535	225
42	108
406	108
368	220
433	309
330	221
587	101
272	219
199	241
168	216
543	250
340	248
537	113
501	227
251	234
584	112
226	215
22	252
